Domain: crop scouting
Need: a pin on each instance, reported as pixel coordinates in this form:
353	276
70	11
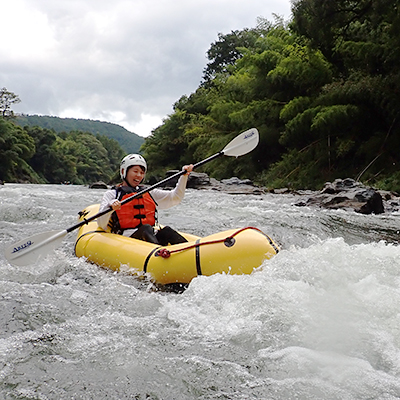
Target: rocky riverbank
346	194
349	194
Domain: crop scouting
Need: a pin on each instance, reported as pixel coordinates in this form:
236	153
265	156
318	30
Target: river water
321	320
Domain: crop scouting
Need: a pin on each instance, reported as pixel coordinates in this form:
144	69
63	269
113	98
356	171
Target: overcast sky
120	61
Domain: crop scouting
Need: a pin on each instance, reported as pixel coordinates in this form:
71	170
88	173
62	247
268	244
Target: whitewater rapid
319	320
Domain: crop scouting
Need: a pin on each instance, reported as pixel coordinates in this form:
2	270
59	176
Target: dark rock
281	191
98	185
236	181
171	183
235	186
391	200
200	180
347	194
152	180
195	180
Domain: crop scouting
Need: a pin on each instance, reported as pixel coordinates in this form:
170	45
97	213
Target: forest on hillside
130	142
322	89
40	155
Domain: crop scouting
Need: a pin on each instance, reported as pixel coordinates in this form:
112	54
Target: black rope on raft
82	214
229	242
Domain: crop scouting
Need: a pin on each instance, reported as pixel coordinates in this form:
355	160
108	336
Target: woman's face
135	175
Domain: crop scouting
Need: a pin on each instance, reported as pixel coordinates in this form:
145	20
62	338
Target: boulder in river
200	180
195	180
236	181
347	194
98	185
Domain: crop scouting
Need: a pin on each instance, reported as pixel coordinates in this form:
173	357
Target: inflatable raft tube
235	251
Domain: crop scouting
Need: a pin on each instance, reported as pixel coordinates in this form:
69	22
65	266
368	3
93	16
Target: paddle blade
242	144
29	250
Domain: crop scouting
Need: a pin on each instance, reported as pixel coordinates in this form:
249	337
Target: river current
321	320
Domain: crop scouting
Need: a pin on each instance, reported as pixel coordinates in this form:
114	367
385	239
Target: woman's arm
170	198
107	201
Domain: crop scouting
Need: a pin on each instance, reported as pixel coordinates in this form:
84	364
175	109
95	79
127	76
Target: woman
137	218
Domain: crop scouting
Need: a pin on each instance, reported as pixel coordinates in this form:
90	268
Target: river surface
321	320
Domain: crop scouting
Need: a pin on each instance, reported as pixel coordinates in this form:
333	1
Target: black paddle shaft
160	183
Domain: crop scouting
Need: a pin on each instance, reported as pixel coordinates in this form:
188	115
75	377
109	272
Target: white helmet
129	161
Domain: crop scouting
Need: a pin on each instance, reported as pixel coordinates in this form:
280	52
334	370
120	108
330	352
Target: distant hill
130	142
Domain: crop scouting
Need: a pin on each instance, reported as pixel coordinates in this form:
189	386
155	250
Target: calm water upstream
321	320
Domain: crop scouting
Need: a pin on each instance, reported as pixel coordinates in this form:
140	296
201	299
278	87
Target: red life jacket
137	212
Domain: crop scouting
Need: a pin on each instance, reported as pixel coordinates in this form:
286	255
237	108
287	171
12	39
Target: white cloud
123	61
146	124
29	35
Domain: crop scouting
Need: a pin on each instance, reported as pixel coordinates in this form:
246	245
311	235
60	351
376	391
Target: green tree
165	148
223	53
359	110
7	99
234	100
48	160
368	31
114	151
90	156
16	148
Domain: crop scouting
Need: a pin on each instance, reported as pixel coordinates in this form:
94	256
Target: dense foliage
323	92
40	155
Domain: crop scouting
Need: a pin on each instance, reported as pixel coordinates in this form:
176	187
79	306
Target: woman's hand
188	168
115	205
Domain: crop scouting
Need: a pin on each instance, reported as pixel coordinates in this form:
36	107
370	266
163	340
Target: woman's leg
167	235
146	233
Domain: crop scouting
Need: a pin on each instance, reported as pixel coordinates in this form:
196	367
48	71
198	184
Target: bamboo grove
323	90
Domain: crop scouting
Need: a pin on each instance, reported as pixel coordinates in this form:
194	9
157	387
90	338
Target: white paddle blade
29	250
242	144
